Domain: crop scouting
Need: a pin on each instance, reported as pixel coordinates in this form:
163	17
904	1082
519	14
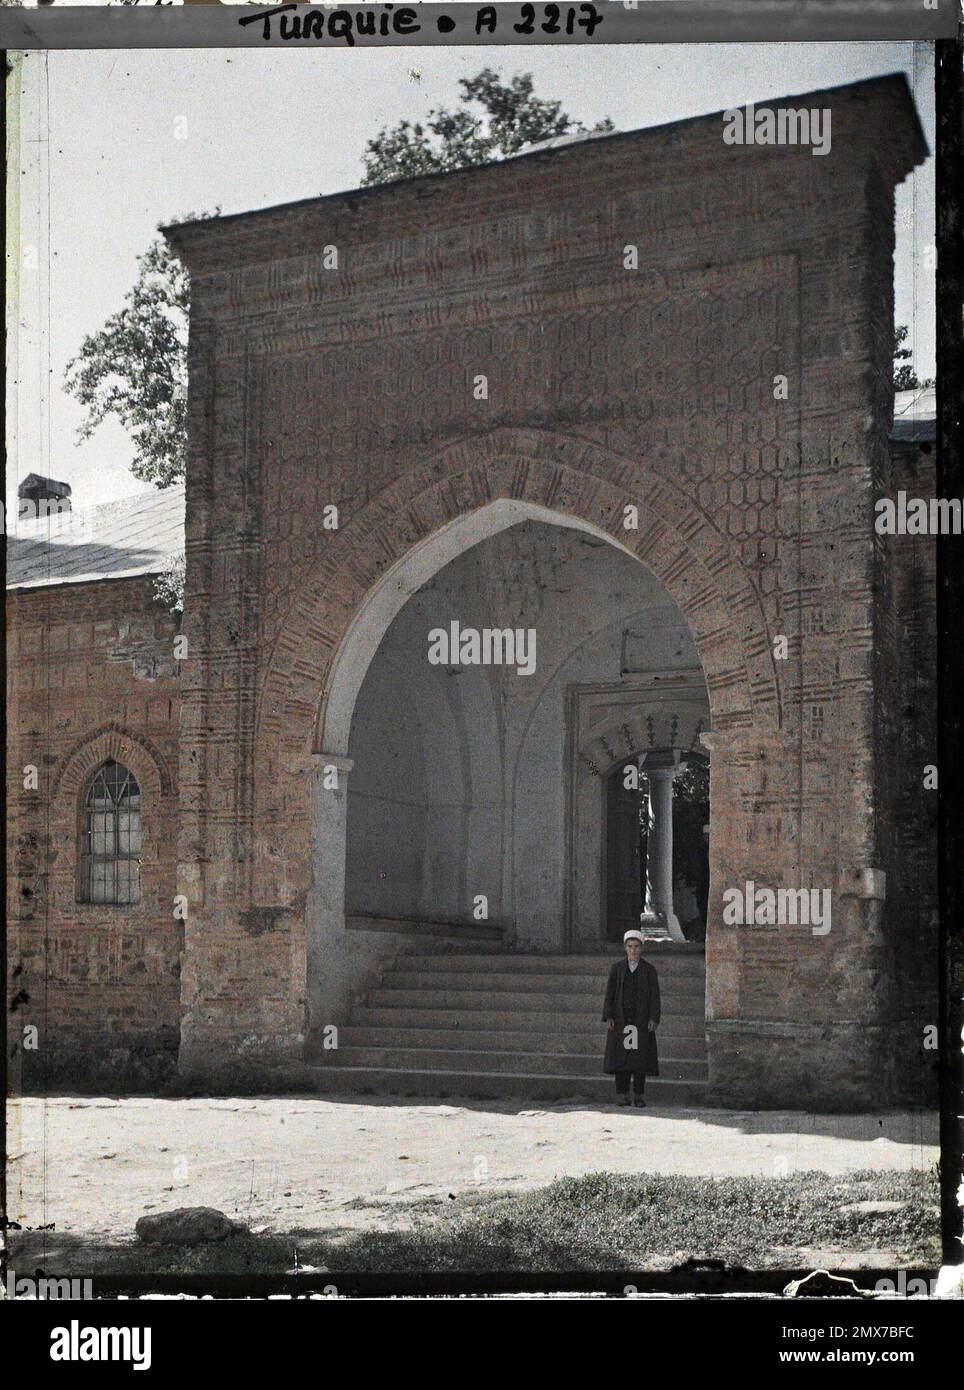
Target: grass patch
608	1221
603	1221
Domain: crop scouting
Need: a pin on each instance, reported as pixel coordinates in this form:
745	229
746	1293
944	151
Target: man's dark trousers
622	1082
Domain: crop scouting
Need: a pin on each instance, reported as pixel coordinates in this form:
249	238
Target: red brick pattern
100	982
606	387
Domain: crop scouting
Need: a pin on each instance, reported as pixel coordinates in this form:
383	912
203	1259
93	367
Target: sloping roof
117	540
915	416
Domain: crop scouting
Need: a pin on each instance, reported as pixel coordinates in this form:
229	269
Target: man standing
631	1013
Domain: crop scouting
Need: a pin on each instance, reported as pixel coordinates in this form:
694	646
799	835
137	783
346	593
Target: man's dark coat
647	1007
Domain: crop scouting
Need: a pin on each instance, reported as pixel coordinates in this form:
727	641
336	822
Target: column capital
666	760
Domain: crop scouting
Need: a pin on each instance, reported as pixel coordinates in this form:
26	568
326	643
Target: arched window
110	872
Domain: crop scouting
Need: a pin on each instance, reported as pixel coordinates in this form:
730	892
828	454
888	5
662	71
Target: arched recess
379	609
713	594
579	484
70	779
359	577
427	751
477	766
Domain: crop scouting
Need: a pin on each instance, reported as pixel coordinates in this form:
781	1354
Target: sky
114	142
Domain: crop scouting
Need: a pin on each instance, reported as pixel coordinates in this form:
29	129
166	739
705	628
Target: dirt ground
92	1166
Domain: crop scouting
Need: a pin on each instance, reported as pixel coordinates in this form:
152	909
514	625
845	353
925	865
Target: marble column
661	768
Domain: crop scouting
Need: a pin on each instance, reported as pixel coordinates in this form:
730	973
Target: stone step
581	1042
525	1063
452	1019
597	1090
431	935
503	963
579	1001
403	977
539	1020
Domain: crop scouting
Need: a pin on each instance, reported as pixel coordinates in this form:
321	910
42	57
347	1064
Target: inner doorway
632	846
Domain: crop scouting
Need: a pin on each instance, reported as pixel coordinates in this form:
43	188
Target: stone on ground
186	1226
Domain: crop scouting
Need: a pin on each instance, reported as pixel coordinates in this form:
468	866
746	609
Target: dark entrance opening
691	846
625	857
627	824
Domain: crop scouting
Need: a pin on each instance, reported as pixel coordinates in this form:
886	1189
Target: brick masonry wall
915	917
91	675
310	386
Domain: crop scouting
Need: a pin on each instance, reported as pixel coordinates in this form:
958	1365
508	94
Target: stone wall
91	676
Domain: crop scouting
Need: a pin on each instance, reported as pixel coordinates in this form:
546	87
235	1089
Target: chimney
39	496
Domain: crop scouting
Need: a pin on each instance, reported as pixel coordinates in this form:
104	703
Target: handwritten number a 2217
588	19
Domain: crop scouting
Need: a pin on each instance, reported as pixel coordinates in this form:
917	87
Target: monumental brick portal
461	398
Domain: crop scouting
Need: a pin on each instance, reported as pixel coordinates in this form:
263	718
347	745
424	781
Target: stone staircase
474	1021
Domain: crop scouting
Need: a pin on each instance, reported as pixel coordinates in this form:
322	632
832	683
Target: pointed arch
134	750
360	576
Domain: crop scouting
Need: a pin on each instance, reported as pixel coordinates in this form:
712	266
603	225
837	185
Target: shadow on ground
914	1126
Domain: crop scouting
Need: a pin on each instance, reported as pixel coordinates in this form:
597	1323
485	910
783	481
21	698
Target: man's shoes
622	1100
640	1102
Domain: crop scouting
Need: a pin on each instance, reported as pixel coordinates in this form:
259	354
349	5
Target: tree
511	116
691	812
168	584
135	366
905	377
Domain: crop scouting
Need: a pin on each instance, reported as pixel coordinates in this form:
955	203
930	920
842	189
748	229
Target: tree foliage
135	367
905	377
168	585
507	116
